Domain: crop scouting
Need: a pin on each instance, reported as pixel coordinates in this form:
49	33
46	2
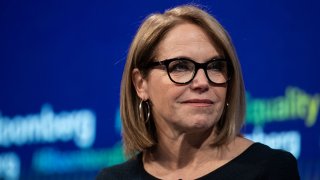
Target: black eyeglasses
183	71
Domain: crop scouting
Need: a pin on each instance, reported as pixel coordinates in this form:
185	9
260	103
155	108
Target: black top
257	162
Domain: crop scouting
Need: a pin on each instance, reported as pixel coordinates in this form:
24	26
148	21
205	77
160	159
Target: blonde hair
139	136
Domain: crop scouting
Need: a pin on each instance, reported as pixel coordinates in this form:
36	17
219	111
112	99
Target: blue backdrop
61	64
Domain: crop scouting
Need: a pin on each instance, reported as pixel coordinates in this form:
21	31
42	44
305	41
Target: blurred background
61	64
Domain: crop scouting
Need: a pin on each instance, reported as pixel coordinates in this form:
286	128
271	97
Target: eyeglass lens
183	71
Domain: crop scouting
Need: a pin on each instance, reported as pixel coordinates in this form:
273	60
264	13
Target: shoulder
265	153
126	170
274	163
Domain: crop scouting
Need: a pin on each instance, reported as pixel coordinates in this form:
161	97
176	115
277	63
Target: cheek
222	94
163	93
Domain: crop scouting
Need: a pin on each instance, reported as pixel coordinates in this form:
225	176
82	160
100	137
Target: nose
200	82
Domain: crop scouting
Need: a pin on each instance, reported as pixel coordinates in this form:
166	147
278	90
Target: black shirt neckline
215	171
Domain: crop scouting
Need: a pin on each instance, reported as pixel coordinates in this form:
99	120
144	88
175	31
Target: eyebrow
186	57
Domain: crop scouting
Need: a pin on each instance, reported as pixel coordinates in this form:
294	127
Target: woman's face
192	107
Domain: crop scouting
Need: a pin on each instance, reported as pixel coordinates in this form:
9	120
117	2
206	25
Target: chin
202	124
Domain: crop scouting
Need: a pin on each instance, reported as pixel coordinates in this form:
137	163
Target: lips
200	102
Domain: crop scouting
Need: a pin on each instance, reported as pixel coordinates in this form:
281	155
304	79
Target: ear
140	84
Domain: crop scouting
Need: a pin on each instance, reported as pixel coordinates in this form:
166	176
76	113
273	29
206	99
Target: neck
178	150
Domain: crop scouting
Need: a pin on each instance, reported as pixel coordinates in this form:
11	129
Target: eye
220	66
181	66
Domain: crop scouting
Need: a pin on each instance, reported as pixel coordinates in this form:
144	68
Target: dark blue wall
60	71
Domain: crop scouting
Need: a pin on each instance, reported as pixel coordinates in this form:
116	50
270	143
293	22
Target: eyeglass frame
197	66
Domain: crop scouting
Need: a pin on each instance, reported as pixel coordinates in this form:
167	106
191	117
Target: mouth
198	102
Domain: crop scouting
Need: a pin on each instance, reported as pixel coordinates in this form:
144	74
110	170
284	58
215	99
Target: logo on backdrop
49	127
295	104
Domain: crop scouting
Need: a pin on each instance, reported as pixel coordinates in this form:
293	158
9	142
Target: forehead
187	40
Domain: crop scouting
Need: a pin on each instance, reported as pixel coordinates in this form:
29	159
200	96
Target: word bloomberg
287	140
49	127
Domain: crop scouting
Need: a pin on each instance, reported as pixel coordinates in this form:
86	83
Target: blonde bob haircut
139	135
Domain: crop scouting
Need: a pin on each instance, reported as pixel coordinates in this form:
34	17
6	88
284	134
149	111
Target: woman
183	105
